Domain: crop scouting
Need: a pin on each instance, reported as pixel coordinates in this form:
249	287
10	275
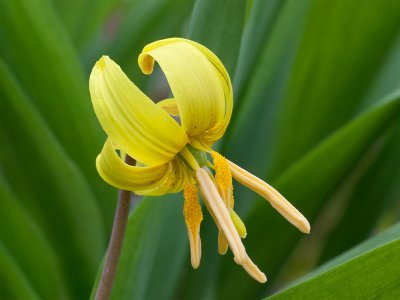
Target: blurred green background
317	106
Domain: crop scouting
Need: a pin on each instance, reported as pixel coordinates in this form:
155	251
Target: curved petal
152	180
200	85
177	178
140	127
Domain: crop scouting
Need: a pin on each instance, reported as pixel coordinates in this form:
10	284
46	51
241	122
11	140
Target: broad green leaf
307	184
37	49
82	18
261	21
153	252
49	186
371	194
25	240
386	78
254	120
375	192
219	25
344	44
371	275
385	237
13	283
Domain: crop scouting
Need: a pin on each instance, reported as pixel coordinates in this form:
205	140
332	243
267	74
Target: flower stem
116	241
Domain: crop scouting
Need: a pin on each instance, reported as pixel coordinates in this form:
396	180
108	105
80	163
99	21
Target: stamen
284	207
223	219
189	158
193	217
222	242
223	177
221	214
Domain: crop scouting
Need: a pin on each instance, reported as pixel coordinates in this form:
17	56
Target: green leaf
41	57
14	284
82	18
361	202
385	237
49	186
367	202
339	55
372	275
218	25
50	74
307	184
153	252
38	261
261	23
255	117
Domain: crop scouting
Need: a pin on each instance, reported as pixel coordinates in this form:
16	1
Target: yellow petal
284	207
199	83
169	105
193	217
141	128
152	180
254	271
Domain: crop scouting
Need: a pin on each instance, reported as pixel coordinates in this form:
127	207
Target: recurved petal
200	85
284	207
175	181
141	128
152	180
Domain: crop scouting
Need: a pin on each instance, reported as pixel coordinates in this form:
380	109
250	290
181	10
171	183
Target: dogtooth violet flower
172	140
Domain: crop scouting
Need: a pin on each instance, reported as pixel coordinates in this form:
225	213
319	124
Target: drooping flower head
172	141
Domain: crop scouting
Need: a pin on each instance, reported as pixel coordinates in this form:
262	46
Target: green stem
117	237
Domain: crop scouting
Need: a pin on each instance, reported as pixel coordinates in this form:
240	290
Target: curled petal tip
146	63
101	63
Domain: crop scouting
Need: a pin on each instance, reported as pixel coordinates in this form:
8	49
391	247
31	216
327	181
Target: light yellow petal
284	207
153	180
140	128
174	182
200	85
254	271
193	218
169	105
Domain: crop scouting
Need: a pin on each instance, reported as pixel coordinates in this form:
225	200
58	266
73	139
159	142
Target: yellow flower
172	140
